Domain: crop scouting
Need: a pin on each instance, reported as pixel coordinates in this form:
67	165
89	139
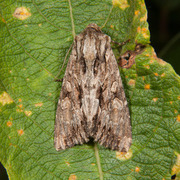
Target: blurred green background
164	25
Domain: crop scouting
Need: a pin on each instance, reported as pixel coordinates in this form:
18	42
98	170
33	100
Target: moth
92	101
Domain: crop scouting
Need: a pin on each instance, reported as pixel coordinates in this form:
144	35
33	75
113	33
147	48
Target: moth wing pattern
92	101
114	126
68	124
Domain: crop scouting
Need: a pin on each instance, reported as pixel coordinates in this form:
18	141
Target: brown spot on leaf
20	100
156	74
163	74
128	58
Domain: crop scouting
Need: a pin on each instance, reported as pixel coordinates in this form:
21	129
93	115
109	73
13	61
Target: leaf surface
35	39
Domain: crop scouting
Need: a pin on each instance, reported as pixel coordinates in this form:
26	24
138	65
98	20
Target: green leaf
35	39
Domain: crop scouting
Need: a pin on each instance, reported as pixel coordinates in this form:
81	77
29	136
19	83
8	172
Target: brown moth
92	101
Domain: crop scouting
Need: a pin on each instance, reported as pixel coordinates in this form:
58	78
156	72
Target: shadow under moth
92	101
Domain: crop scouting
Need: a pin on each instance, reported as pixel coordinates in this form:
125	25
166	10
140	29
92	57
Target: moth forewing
92	101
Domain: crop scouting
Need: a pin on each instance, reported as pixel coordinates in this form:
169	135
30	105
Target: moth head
94	26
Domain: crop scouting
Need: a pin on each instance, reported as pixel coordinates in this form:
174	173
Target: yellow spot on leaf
112	27
5	99
137	169
38	104
160	61
9	123
178	117
20	105
175	111
144	29
147	66
145	32
72	177
131	82
67	163
155	99
50	94
124	156
170	102
27	79
147	55
156	74
20	132
122	4
21	13
3	20
147	86
136	12
93	164
143	77
19	110
28	113
25	26
176	167
163	74
151	61
40	25
144	18
20	100
139	29
178	97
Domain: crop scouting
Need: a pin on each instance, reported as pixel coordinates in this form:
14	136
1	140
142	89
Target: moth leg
59	80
